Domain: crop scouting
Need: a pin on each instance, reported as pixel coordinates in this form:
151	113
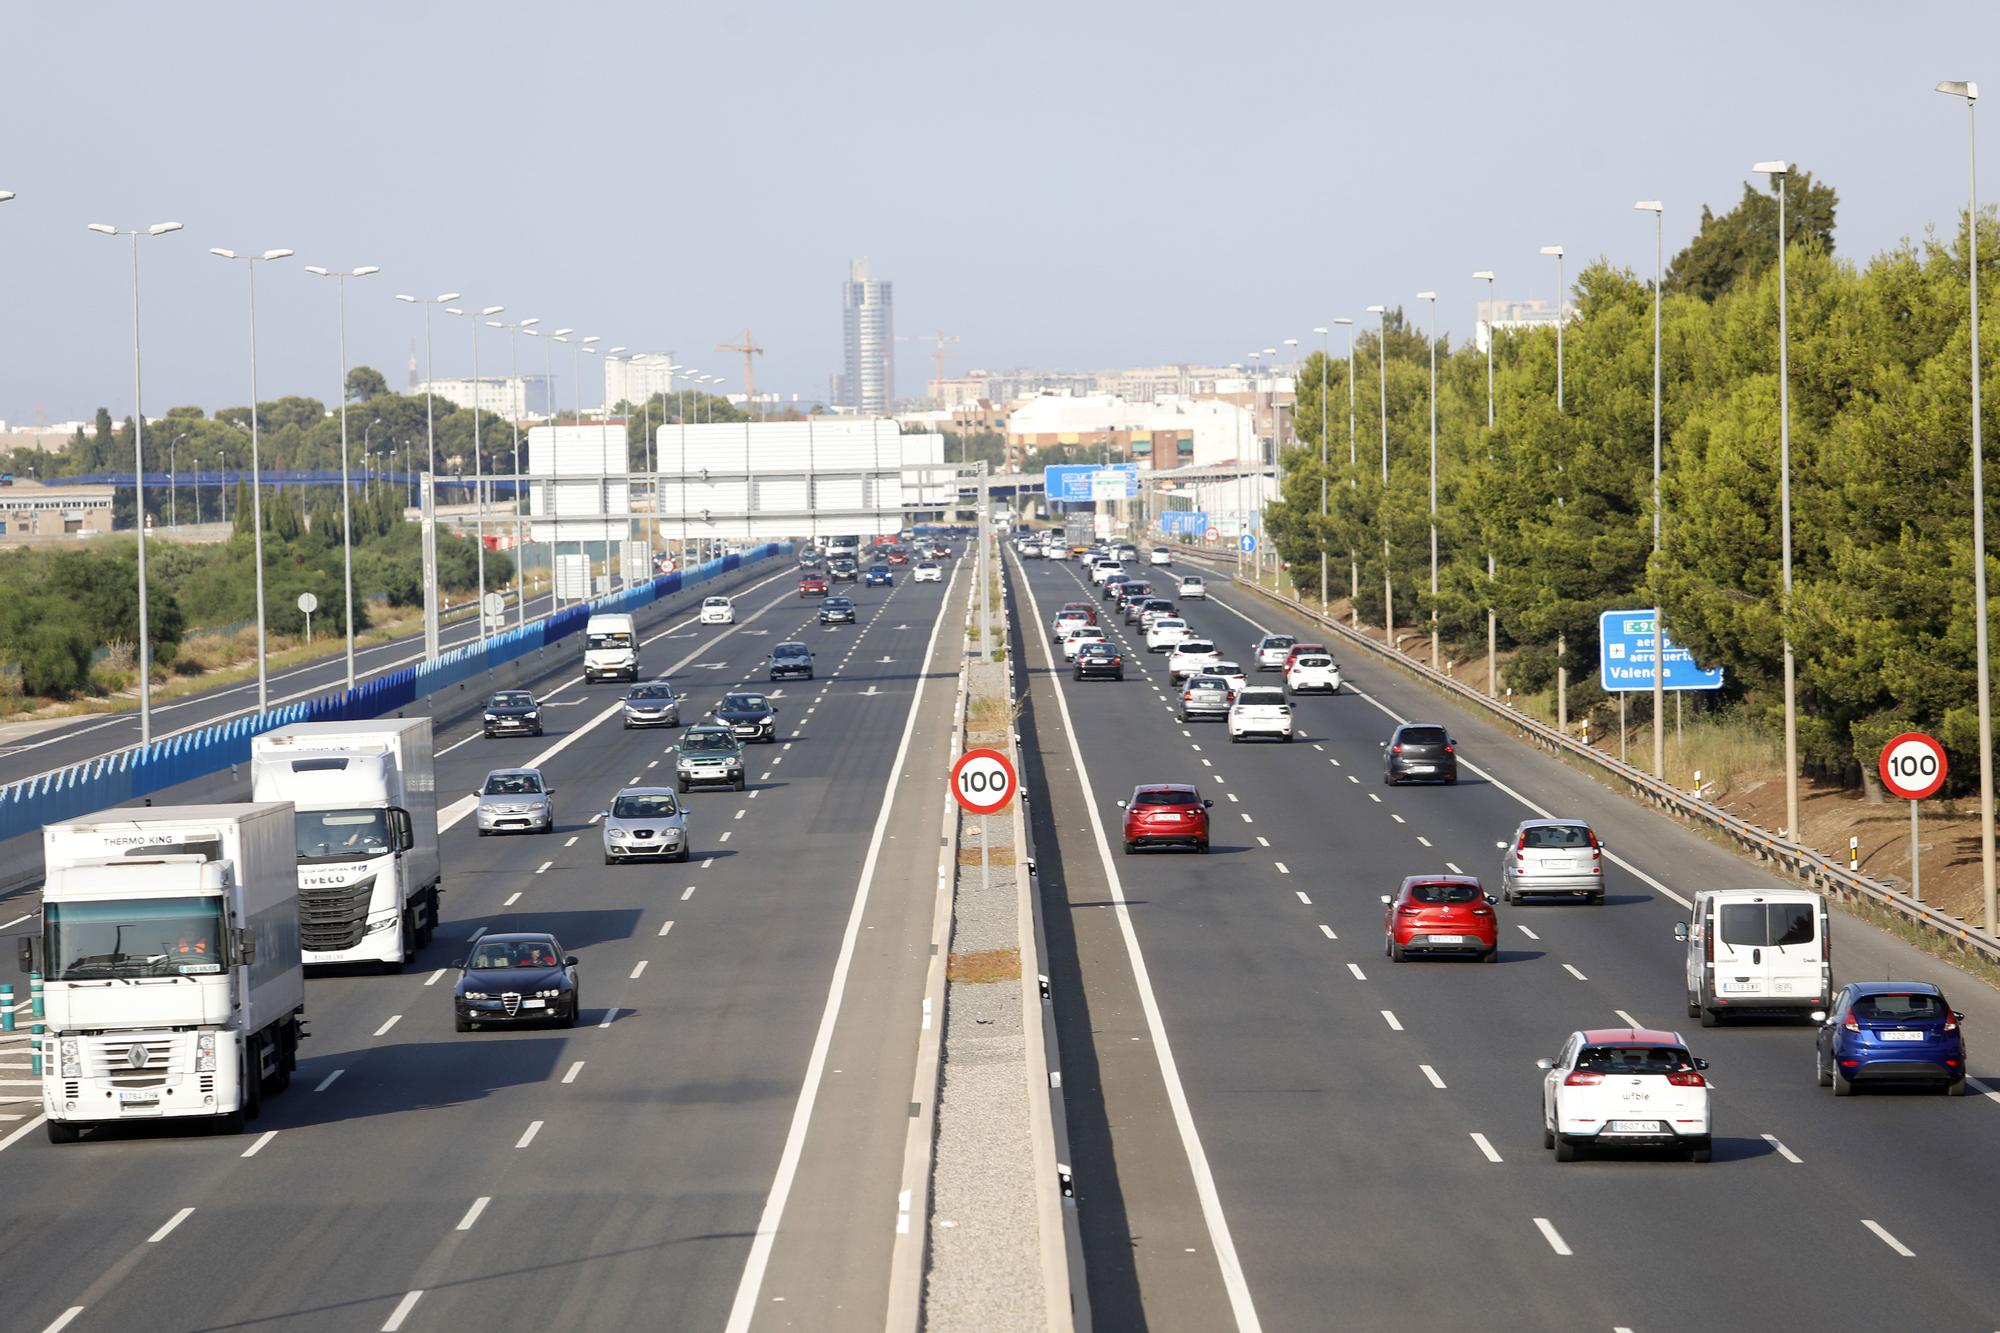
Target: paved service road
1372	1129
609	1176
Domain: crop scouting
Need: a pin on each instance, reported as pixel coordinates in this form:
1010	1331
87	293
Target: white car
1232	673
1165	632
1627	1088
1189	657
1078	637
927	571
1270	652
1161	556
1104	569
1148	615
1193	587
1313	673
1260	711
718	611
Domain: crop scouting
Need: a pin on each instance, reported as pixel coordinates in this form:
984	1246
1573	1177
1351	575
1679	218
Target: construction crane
937	355
749	349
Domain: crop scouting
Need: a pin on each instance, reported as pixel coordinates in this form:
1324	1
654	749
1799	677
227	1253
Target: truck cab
610	649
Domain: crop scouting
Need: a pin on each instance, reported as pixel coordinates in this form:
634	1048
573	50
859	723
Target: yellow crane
750	349
937	356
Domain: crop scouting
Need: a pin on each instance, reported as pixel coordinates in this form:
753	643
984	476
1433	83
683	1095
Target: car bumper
1316	685
512	726
610	670
644	849
1162	838
1107	672
1661	1132
1258	729
497	1011
779	673
669	719
1433	773
510	823
1530	885
763	732
1440	943
1205	712
700	777
717	620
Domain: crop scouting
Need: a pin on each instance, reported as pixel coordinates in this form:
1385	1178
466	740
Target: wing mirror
1957	1017
1501	845
1385	900
1545	1063
570	961
458	963
1381	745
1208	805
1490	899
1121	805
26	953
1681	931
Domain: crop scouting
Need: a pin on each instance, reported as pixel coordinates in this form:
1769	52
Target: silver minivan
1757	950
1552	857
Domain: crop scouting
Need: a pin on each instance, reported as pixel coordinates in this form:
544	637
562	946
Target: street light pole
478	471
514	410
1562	642
1492	620
1325	361
1432	297
1561	292
1654	207
139	473
429	507
1388	580
1353	481
1779	170
346	493
1970	92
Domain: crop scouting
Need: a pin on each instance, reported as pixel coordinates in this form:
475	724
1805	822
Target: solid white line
63	1319
574	1070
328	1081
402	1312
1432	1075
609	1014
1327	931
472	1213
1783	1151
432	979
1390	1018
1630	1021
534	1128
1571	969
638	971
1888	1239
1552	1236
20	1133
17	920
1486	1147
262	1139
384	1029
1983	1088
1359	975
666	926
168	1229
747	1289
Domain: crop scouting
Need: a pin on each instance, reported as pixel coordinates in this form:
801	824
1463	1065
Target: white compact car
1193	587
1260	711
1104	569
1232	673
718	611
1190	657
1270	652
1313	673
1627	1088
928	571
1161	556
1165	632
1079	636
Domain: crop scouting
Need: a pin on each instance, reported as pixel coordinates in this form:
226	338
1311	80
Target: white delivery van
1757	950
610	649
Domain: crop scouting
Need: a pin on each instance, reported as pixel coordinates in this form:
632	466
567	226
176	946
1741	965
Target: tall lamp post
1779	170
514	410
1254	472
429	508
1561	294
1325	361
1432	297
1654	207
346	497
580	346
1492	621
610	355
1970	92
1353	481
478	471
139	472
1388	580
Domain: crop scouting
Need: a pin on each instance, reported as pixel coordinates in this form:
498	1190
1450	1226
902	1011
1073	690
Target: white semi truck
170	943
366	794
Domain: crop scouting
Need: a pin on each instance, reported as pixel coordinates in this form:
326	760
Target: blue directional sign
1247	543
1189	523
1625	656
1082	483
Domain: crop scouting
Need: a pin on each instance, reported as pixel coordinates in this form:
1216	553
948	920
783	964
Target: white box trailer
173	979
367	848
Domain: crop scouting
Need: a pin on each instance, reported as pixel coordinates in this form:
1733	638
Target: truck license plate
144	1097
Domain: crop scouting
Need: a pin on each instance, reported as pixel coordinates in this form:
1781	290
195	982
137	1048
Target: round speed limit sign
1912	766
983	781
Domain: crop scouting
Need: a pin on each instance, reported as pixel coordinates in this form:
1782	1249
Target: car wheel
1492	955
461	1025
607	858
1234	738
628	726
1202	847
1820	1074
483	832
1385	946
1120	675
1709	1018
1130	847
538	731
684	789
1396	953
1506	895
1955	1088
1565	1150
569	1019
739	784
1597	900
1181	718
1694	1007
1842	1085
1451	781
1702	1151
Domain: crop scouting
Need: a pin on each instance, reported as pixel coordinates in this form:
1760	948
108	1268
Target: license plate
146	1097
1447	939
534	1004
1422	768
1633	1126
1738	987
1558	865
1900	1036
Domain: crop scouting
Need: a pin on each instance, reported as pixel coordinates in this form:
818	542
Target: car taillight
1687	1078
1482	911
1449	749
1708	946
1186	695
1582	1078
1395	749
1409	909
1825	945
1950	1023
1850	1024
1521	848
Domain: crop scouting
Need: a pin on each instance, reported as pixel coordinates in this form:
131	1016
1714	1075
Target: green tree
1744	241
364	383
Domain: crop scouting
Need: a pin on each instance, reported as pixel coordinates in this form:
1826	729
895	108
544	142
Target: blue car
1890	1032
878	576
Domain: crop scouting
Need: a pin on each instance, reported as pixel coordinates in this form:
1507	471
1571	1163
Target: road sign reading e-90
1912	766
983	781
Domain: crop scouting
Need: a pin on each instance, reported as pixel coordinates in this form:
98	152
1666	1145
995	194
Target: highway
717	1145
1276	1127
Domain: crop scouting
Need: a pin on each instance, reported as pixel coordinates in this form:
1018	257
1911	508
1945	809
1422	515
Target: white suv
1165	632
1104	569
1161	556
1191	657
1192	586
718	611
1624	1087
1312	672
1260	710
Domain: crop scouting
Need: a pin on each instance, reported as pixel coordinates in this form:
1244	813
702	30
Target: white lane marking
1371	795
432	979
402	1311
1283	869
1422	839
609	1014
1327	931
1399	819
654	764
262	1139
707	861
472	1213
599	815
741	812
1485	1147
666	926
1452	866
1571	969
1552	1236
788	745
1206	763
1525	931
168	1229
512	898
1262	841
687	893
1318	746
63	1320
1782	1150
1359	975
1248	820
765	776
572	839
543	867
383	1031
638	970
1302	897
455	744
1984	1089
328	1081
1432	1075
574	1070
1883	1235
724	836
528	1137
1232	796
1389	1017
1630	1021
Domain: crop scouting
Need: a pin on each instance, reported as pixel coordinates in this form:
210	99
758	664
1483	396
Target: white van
1752	949
610	649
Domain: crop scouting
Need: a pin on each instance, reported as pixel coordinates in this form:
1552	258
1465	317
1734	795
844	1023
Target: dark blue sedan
1890	1032
878	576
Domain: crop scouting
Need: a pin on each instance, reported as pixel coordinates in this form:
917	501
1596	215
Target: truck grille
111	1057
332	918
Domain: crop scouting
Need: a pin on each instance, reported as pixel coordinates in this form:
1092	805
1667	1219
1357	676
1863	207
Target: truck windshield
149	937
615	639
342	835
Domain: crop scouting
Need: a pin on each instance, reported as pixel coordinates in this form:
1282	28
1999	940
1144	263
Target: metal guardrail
1801	862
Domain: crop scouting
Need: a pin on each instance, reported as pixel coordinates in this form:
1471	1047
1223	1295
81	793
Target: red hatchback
1440	914
1166	814
1300	650
898	556
812	585
1086	607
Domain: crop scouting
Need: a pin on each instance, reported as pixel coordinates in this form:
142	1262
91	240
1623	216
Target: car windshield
148	937
1166	798
513	699
609	639
342	835
1208	683
1422	736
1633	1059
513	784
791	650
661	691
1444	895
500	955
878	569
1899	1008
1097	648
1551	836
650	805
717	601
707	742
741	703
1190	583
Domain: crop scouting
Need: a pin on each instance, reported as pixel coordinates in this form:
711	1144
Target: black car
1419	752
1134	590
843	569
837	611
791	659
1099	659
751	716
1112	586
512	713
516	977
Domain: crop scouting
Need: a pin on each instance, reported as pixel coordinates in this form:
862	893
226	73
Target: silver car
1557	857
1206	696
652	704
645	824
516	800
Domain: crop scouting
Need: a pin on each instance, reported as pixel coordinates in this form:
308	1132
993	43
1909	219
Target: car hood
659	825
523	979
512	710
523	798
743	714
650	704
710	756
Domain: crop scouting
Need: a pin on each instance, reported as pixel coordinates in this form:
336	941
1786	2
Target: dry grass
989	714
988	965
998	856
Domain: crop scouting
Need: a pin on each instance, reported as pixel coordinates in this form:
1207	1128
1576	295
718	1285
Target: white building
1222	430
634	379
868	329
502	395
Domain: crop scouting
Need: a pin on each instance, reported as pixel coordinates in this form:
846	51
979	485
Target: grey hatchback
1555	857
645	824
1419	752
1205	696
515	800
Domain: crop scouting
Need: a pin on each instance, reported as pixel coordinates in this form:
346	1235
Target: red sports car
812	585
1440	914
1166	814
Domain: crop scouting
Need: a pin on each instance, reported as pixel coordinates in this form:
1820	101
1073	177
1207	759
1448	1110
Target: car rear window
1633	1059
1446	894
1166	798
1899	1008
1423	736
1196	646
1557	836
1260	698
1767	925
1314	660
1277	641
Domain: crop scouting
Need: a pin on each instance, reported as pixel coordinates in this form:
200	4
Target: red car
1166	814
1088	608
1300	650
812	585
898	556
1447	914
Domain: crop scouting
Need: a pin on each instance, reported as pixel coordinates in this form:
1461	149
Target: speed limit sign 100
983	781
1912	766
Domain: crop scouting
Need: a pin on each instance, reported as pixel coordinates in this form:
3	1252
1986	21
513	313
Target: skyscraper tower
869	326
